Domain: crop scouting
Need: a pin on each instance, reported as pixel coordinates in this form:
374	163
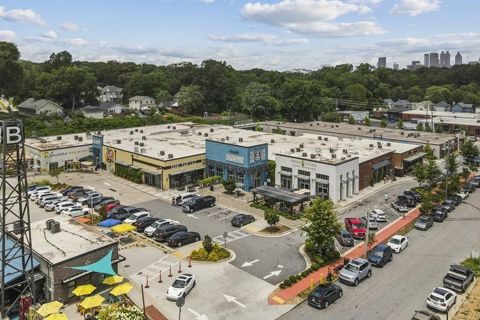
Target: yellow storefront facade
164	174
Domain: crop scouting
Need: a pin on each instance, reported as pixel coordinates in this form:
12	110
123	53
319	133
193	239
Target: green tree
321	225
56	172
163	97
351	120
420	126
451	165
271	217
371	239
420	173
229	185
258	101
10	69
190	99
429	152
427	204
58	60
400	124
438	93
367	122
356	92
433	173
207	243
469	151
383	123
271	172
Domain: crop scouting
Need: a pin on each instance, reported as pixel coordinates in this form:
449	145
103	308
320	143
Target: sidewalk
282	296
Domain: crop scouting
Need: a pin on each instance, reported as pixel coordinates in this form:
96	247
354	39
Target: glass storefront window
303	184
286	182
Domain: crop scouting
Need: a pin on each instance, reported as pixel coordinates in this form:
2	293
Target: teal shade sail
103	265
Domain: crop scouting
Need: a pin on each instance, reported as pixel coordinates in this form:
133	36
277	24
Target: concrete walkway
283	296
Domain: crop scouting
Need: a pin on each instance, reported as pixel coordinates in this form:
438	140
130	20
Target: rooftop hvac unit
191	126
141	131
374	130
312	156
141	144
205	134
173	128
336	125
48	223
135	149
136	130
144	138
319	137
55	227
310	124
162	152
272	141
332	126
359	128
131	132
99	132
349	155
168	127
75	137
297	149
80	139
88	133
331	150
318	124
334	155
370	145
345	151
170	156
143	150
301	145
240	139
389	144
326	138
227	138
304	154
59	138
119	141
343	158
292	150
222	139
211	130
136	143
199	133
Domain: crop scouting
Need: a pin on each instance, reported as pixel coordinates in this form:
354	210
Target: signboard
13	134
231	157
259	154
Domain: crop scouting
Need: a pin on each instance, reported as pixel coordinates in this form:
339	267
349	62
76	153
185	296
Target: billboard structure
16	264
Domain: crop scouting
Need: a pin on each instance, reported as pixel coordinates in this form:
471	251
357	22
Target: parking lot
402	286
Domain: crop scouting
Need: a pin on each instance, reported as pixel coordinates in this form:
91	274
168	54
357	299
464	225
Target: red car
110	206
355	227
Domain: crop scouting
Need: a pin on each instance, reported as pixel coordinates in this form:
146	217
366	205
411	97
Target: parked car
378	214
166	231
38	193
137	215
47	195
50	205
124	212
196	204
109	207
241	219
183	237
469	187
324	295
100	200
448	205
400	206
37	188
75	211
372	223
345	238
47	199
458	278
473	184
150	230
408	200
90	198
456	199
415	195
398	243
424	315
182	198
355	227
75	195
380	255
144	222
438	215
59	207
463	194
181	286
32	187
355	271
69	190
424	223
98	206
441	299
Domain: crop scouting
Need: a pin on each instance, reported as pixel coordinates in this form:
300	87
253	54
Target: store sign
303	164
234	157
13	135
258	154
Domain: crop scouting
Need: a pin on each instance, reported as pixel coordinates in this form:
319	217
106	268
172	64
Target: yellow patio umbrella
112	280
83	290
123	228
49	308
92	302
57	316
121	289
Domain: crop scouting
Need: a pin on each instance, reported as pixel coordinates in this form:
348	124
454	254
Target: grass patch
473	264
218	253
275	229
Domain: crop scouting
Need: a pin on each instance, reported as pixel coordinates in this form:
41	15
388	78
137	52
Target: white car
379	215
50	205
64	205
45	200
154	226
181	286
39	199
134	217
372	223
38	193
38	188
441	299
462	195
398	243
75	211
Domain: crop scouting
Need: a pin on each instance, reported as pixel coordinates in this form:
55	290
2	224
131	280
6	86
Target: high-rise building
447	59
414	66
382	62
458	59
396	66
434	61
443	60
426	60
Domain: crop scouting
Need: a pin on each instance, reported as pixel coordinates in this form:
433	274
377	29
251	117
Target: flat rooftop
74	239
444	114
365	132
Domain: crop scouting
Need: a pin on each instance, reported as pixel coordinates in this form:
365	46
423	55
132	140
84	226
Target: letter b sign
13	135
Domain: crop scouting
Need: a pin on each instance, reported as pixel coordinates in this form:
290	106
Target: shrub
304	273
292	279
207	243
287	283
217	253
315	266
318	260
282	286
298	277
332	255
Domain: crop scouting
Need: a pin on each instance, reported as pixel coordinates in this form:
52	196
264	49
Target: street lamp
368	229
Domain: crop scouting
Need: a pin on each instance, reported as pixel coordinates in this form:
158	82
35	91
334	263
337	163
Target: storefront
97	144
246	165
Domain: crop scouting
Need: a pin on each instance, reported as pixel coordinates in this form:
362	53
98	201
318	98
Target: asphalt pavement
402	286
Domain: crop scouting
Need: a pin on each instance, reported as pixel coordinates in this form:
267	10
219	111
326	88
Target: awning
152	171
81	274
321	181
415	157
280	194
381	164
14	270
285	173
122	163
301	176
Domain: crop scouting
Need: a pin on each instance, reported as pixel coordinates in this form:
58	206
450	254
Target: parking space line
231	236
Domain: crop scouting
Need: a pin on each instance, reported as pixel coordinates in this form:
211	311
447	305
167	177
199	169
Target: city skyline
269	34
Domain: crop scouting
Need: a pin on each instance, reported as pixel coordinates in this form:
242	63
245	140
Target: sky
269	34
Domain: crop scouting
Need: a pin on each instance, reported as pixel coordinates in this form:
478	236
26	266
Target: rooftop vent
332	126
272	141
144	138
75	137
318	124
80	139
222	139
135	149
319	137
371	145
170	156
211	130
136	130
326	138
199	133
336	125
59	138
304	154
141	131
119	141
312	156
227	138
389	144
142	144
297	149
55	227
334	156
48	223
136	143
240	139
402	133
131	132
345	151
359	128
301	145
310	124
292	150
99	132
168	127
205	134
162	152
143	150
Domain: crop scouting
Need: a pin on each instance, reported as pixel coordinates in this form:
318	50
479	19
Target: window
256	179
304	173
240	177
219	172
322	190
231	175
286	182
303	184
323	176
211	171
286	169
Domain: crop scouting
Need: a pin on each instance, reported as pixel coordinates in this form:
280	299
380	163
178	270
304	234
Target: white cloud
69	26
315	17
21	15
75	42
206	1
244	37
415	7
49	35
7	35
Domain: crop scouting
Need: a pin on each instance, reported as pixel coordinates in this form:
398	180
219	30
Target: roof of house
402	102
387	101
112	89
91	109
464	105
108	105
33	104
139	98
442	104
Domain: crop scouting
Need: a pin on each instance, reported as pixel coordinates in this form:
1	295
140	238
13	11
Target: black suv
408	200
167	230
67	191
198	203
415	195
345	238
438	214
144	222
456	199
124	212
242	219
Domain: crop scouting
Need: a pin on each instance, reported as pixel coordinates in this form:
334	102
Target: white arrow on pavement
249	264
234	299
192	216
272	273
107	184
197	315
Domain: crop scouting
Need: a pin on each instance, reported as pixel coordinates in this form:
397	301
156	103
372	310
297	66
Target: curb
286	233
305	256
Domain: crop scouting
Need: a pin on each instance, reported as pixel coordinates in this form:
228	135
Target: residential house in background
34	107
388	103
113	108
402	105
442	106
422	105
92	112
463	107
139	102
111	94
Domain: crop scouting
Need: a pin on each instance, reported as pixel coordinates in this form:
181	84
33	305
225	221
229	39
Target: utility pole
368	229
